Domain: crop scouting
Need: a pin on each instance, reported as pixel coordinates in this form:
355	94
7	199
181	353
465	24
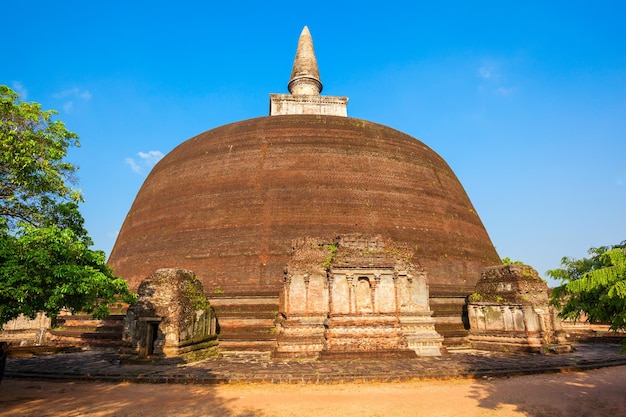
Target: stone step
229	347
251	335
83	321
453	331
247	356
237	322
447	306
89	329
84	340
456	341
247	307
368	354
447	311
217	300
246	324
84	330
83	317
85	334
232	314
235	291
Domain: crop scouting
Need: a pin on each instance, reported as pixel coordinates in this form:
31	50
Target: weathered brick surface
228	203
171	317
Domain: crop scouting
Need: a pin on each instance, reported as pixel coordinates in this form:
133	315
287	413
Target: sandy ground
594	393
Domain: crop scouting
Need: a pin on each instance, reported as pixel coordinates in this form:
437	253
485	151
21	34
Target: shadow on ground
593	393
45	398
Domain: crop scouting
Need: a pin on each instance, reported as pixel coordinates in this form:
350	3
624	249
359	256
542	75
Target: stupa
229	203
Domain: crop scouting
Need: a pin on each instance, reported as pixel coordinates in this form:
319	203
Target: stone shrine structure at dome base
356	295
510	311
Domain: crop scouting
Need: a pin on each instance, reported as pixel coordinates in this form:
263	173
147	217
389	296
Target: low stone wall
509	312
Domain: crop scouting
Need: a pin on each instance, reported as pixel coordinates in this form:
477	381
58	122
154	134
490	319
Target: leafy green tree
595	286
33	172
45	261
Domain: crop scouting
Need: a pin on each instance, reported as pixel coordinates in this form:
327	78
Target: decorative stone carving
172	317
510	311
281	104
359	295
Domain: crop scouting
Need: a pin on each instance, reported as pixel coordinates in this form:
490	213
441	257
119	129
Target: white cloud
486	71
145	162
133	165
74	92
18	87
504	91
151	157
70	95
494	80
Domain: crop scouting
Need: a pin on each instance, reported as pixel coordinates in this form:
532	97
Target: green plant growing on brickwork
508	261
197	299
475	297
332	249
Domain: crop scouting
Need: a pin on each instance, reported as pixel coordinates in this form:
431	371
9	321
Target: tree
33	172
595	286
45	261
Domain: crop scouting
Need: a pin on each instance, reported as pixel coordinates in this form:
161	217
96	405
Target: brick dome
228	203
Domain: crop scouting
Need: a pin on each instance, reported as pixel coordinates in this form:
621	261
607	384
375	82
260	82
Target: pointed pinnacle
305	76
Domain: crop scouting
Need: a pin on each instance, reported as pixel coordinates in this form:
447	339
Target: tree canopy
45	261
33	171
595	286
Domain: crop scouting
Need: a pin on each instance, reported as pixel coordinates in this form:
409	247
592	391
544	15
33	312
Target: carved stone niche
355	296
509	311
171	318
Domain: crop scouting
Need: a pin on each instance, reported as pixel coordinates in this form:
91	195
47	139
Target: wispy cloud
486	71
145	162
75	93
494	79
18	87
70	96
504	91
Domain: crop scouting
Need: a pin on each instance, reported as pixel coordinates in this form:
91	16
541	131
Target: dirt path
595	393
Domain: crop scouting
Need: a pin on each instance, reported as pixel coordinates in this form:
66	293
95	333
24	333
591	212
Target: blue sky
526	101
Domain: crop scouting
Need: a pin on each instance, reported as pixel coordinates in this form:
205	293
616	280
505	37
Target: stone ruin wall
172	317
510	311
358	295
24	331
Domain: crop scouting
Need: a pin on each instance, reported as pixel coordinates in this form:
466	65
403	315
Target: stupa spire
305	76
305	87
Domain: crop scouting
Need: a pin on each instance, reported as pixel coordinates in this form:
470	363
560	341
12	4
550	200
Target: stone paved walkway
103	365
